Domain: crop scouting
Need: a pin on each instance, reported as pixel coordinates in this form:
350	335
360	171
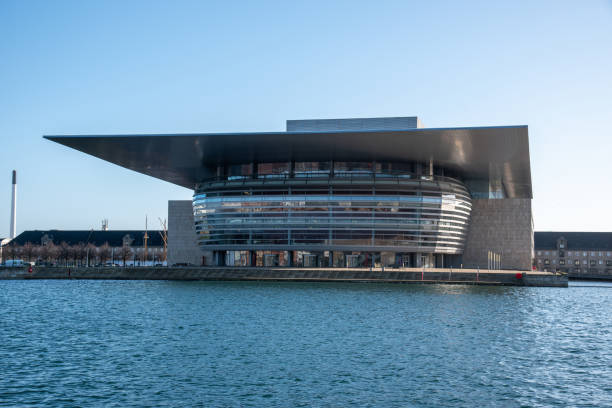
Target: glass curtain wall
369	207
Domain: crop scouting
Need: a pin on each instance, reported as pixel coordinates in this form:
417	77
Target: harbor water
264	344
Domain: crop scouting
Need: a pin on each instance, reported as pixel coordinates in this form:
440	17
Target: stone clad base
182	244
504	227
404	275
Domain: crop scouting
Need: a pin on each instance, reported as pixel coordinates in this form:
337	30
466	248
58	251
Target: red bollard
519	275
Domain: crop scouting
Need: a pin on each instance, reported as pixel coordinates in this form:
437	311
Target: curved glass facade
322	206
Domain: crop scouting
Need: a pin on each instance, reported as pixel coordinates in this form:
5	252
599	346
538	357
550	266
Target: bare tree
91	254
37	252
125	253
28	251
104	253
12	251
19	251
49	253
64	252
80	252
74	254
54	253
44	253
137	253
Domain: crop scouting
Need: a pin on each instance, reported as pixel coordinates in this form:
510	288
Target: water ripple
124	343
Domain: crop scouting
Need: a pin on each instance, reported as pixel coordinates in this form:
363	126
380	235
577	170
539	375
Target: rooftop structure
496	155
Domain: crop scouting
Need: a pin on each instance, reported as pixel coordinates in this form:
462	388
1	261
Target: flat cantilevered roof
485	153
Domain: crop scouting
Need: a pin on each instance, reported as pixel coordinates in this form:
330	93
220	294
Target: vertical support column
330	219
250	216
373	218
419	260
418	169
419	194
330	216
289	221
290	261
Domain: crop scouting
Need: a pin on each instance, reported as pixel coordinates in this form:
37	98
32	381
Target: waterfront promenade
388	275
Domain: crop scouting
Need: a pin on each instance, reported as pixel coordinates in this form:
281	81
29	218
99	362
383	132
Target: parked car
12	263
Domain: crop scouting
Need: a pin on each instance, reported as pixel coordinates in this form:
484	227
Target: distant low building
3	242
114	238
586	254
87	246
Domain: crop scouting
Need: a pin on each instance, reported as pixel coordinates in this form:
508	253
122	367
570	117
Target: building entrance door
427	261
352	261
270	260
406	261
310	261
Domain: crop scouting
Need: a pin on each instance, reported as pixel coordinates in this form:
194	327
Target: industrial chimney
14	207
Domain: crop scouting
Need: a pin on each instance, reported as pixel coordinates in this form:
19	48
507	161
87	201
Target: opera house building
340	193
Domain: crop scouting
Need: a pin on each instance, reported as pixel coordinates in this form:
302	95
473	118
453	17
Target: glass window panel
238	170
265	169
312	168
353	167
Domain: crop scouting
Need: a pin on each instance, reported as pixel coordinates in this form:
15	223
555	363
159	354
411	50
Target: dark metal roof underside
575	240
184	159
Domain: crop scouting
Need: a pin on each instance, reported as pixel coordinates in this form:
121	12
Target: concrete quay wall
404	275
590	276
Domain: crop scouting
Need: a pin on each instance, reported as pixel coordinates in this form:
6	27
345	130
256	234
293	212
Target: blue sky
112	67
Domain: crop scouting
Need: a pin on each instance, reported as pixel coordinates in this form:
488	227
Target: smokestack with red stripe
14	207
